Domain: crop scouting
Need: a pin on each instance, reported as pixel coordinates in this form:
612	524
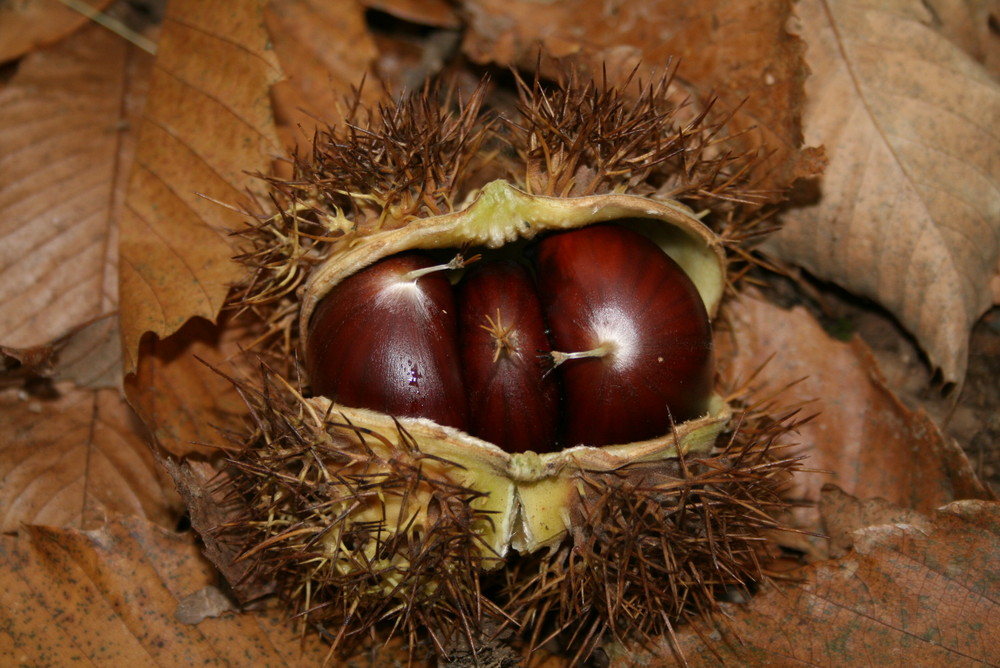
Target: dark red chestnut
632	334
386	339
512	401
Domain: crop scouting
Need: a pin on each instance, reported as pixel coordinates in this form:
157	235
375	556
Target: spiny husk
403	160
357	528
582	138
529	492
525	494
427	156
654	543
365	528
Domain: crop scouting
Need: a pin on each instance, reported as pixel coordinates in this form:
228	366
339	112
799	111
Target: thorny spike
585	138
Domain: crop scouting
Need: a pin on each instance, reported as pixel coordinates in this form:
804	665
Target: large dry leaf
207	123
735	50
924	592
112	597
909	209
325	49
188	406
972	26
28	24
64	123
76	458
864	439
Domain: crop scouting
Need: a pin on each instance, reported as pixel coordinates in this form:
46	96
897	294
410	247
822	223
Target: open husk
527	494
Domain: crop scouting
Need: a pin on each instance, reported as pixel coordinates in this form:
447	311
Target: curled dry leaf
732	49
89	355
863	439
203	487
844	514
28	24
64	122
74	459
207	125
923	589
206	602
437	13
908	212
109	596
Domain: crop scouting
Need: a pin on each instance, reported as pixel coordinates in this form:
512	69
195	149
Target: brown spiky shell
367	519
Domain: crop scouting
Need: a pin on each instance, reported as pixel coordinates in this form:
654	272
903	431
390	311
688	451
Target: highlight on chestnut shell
632	340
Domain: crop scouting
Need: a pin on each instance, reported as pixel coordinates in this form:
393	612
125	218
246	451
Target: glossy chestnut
632	345
632	335
386	339
513	401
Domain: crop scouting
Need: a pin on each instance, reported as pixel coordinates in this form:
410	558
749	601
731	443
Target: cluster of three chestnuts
601	339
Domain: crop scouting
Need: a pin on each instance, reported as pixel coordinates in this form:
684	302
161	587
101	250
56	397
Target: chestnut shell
609	286
387	342
513	401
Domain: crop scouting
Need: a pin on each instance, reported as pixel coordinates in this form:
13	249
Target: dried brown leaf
924	591
74	459
909	209
737	51
186	405
864	439
437	13
207	124
89	355
971	26
64	123
324	48
109	596
29	24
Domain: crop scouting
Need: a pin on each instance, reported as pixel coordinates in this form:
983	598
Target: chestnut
513	402
631	333
386	338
